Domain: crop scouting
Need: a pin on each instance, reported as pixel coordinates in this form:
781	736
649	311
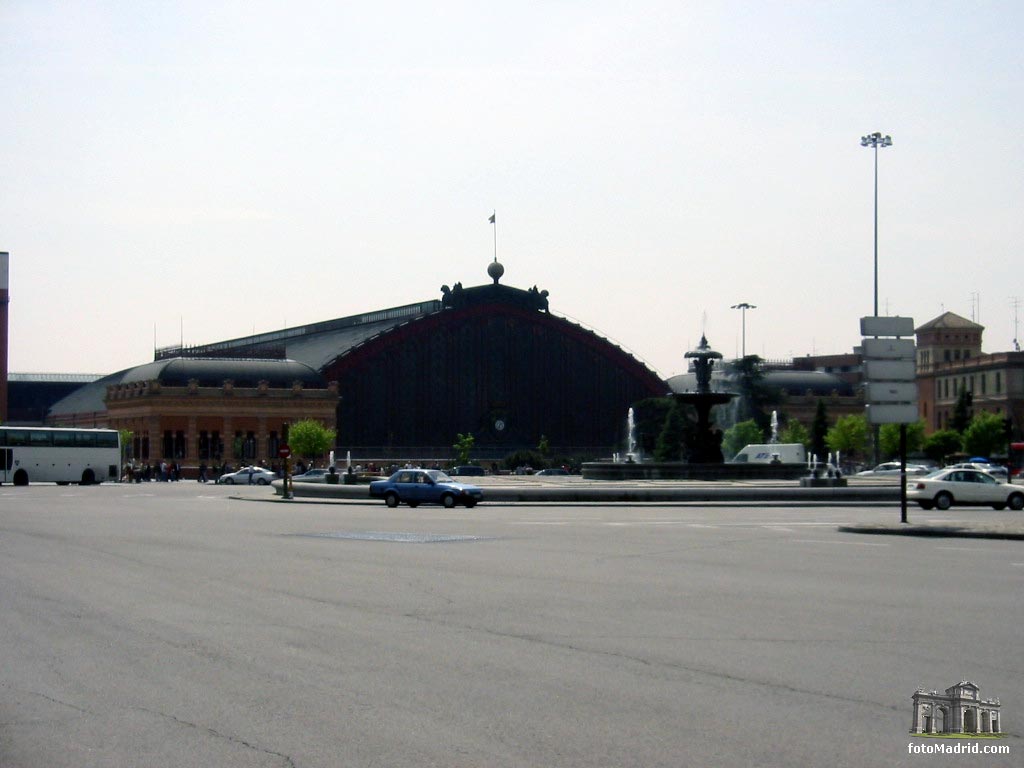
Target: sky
200	171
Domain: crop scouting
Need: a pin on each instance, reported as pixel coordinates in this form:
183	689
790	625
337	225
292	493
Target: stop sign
284	452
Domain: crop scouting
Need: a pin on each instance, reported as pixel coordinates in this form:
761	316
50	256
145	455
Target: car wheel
1016	501
391	499
470	503
926	504
448	500
261	481
229	481
943	501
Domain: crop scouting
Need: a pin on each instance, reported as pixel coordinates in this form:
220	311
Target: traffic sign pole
890	382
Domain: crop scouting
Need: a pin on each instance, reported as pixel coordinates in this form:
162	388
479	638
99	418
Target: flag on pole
491	220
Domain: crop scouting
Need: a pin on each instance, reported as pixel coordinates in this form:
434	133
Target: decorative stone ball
495	270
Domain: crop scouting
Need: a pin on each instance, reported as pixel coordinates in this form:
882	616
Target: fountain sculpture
705	445
702	444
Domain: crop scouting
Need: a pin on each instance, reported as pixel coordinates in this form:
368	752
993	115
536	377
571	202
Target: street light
743	307
876	140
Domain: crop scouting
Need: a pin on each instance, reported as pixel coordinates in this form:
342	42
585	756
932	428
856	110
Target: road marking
959	549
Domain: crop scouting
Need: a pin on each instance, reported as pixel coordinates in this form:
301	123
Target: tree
310	439
544	446
938	445
739	435
819	431
889	438
670	441
755	395
849	436
962	411
649	416
463	446
126	436
985	435
795	432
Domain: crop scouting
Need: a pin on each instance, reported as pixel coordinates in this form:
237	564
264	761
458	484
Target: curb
933	531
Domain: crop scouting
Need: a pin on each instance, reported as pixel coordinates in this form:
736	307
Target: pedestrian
202	472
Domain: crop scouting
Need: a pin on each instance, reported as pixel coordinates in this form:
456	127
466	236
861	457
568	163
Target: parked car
947	487
311	476
248	476
552	471
469	470
892	468
424	486
998	472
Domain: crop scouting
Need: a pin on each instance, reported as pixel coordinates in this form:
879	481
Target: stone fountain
703	444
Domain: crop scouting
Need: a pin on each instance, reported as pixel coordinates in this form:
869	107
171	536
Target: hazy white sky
211	168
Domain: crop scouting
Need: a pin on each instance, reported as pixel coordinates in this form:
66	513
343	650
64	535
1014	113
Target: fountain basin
677	470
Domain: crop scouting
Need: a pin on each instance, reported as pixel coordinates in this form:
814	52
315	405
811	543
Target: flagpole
494	222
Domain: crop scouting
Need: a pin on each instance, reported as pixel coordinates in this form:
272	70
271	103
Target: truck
771	453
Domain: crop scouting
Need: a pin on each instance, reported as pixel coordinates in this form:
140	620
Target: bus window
17	437
106	439
85	439
64	439
40	437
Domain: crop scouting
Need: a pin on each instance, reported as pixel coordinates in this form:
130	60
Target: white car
311	476
947	487
248	476
892	469
999	473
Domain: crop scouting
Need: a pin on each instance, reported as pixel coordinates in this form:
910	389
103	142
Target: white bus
62	456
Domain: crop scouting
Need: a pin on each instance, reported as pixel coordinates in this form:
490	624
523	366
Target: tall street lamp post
876	140
743	307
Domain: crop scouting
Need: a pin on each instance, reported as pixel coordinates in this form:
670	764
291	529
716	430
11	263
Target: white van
774	453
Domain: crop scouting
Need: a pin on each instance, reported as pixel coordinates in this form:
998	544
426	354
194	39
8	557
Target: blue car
424	486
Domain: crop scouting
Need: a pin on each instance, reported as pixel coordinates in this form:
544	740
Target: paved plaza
190	625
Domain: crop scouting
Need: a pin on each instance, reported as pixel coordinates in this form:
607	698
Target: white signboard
890	392
888	349
887	326
892	414
889	370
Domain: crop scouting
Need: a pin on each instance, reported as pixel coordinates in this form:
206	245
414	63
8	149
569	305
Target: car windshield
439	477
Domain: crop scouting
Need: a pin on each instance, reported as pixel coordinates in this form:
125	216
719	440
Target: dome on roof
212	372
818	383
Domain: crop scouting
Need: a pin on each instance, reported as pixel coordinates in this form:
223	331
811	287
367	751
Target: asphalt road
171	625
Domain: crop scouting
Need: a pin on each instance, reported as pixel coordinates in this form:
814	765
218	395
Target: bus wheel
21	477
88	477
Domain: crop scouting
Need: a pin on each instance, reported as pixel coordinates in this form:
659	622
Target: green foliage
819	431
938	445
544	447
525	459
985	435
795	432
649	416
126	436
962	411
307	438
755	394
849	436
463	447
889	439
739	435
670	441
